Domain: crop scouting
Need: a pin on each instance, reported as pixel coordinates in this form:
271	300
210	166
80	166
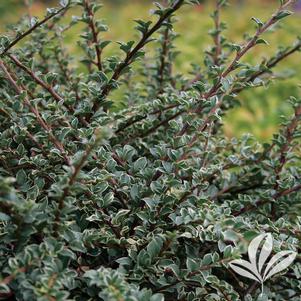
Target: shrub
148	202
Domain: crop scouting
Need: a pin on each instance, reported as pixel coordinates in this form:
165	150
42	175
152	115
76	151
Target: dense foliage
146	203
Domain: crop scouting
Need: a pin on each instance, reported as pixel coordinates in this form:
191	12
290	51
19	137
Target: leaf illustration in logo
266	251
284	259
246	269
262	244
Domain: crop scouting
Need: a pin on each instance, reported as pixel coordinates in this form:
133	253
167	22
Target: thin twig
130	55
271	64
244	49
276	196
38	80
217	36
44	85
29	31
7	280
94	32
239	54
163	58
36	113
73	177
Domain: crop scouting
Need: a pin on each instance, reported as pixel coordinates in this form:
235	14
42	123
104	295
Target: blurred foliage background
261	109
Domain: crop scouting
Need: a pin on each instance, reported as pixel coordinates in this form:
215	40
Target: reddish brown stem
130	55
217	37
29	31
36	113
95	33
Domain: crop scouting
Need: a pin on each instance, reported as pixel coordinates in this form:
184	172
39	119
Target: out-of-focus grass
261	108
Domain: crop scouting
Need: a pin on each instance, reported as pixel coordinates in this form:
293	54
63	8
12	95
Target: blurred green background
261	108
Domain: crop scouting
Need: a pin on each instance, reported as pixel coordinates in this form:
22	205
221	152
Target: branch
207	118
217	36
191	274
244	49
273	62
74	175
44	85
108	222
208	178
276	196
95	33
36	113
240	53
250	44
289	135
290	129
154	128
39	81
223	293
29	31
7	280
130	56
163	57
133	120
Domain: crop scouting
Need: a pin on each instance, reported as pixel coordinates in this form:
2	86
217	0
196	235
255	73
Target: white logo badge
254	269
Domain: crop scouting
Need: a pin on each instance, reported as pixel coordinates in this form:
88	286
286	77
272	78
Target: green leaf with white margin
157	297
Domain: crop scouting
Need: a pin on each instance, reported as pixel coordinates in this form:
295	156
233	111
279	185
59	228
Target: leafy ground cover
137	194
